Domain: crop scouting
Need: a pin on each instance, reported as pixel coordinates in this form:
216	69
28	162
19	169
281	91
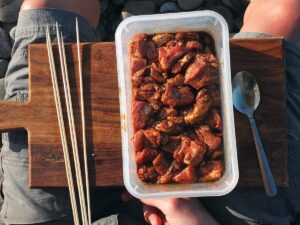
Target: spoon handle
269	183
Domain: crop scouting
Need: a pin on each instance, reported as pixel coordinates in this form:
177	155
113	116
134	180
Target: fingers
152	215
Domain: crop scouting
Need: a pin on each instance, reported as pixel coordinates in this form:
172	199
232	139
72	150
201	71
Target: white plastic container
215	25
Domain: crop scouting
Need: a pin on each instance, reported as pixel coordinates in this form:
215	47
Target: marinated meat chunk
151	51
191	152
179	36
176	97
141	112
162	39
156	74
213	141
214	93
145	156
214	120
168	56
161	164
177	81
183	63
217	154
193	45
188	175
211	171
139	141
200	74
200	109
195	153
171	125
191	36
166	112
153	137
172	144
138	46
147	173
149	92
175	108
138	77
137	64
174	169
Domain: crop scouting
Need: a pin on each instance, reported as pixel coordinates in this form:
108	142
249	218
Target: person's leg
264	19
276	17
21	204
90	9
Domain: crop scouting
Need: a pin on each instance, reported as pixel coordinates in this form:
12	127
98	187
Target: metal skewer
62	128
87	183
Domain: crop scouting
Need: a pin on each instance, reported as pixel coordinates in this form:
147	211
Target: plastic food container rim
122	97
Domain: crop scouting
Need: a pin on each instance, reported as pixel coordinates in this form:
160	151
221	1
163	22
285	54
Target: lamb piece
191	152
193	45
161	164
177	81
179	36
214	93
172	144
147	173
214	120
153	137
217	154
173	43
200	109
156	106
176	97
138	46
165	112
195	153
211	171
139	141
145	156
171	125
200	74
212	60
191	36
137	64
188	175
213	141
138	77
168	56
156	74
148	92
174	168
141	112
183	63
151	51
162	39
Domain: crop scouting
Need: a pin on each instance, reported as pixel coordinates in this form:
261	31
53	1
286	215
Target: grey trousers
51	206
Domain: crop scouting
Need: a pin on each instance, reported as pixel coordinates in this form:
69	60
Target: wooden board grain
262	57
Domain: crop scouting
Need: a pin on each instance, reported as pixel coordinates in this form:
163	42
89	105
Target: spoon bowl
246	98
246	95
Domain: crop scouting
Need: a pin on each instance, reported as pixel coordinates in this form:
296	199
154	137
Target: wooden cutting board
261	57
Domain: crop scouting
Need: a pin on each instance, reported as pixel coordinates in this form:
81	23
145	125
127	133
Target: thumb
152	215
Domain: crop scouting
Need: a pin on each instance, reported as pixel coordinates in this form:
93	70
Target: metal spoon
246	98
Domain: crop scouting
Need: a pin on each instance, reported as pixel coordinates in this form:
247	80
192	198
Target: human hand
176	211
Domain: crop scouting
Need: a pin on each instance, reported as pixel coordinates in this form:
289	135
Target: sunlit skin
90	9
277	17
